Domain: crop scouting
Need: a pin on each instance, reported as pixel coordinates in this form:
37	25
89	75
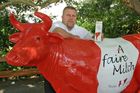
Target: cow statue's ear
55	38
15	37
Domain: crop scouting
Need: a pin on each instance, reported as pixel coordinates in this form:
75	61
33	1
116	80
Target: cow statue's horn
16	23
46	19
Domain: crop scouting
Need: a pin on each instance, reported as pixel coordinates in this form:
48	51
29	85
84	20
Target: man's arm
63	33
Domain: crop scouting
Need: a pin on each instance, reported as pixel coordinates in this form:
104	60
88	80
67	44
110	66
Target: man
67	28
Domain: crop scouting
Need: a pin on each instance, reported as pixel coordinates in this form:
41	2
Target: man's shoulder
79	28
57	23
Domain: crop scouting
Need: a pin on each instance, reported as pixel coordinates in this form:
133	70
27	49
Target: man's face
69	18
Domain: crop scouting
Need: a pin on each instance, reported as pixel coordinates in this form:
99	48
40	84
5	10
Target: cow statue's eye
38	38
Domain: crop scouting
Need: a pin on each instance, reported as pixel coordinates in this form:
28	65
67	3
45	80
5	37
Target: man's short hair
69	7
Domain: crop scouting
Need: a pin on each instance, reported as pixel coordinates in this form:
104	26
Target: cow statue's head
30	42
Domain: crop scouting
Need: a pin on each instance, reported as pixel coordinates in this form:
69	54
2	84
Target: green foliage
117	19
5	31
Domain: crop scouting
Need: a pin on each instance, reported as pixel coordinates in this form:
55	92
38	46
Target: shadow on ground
34	85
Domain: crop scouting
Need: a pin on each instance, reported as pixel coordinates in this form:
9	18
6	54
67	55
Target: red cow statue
74	65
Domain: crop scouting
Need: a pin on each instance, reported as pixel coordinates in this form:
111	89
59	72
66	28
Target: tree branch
48	3
15	2
133	4
28	2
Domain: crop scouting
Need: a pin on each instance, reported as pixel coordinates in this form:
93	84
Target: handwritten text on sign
118	61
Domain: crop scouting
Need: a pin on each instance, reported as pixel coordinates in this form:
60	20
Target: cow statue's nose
13	58
16	60
22	56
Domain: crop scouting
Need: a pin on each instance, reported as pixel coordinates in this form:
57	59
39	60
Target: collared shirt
76	30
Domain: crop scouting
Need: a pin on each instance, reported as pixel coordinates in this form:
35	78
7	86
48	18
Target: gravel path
34	85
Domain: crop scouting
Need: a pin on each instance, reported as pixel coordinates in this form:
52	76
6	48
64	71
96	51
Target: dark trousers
48	88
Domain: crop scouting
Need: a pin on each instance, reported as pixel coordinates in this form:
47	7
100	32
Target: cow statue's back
74	65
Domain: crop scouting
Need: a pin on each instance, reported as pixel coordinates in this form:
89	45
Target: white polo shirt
76	30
